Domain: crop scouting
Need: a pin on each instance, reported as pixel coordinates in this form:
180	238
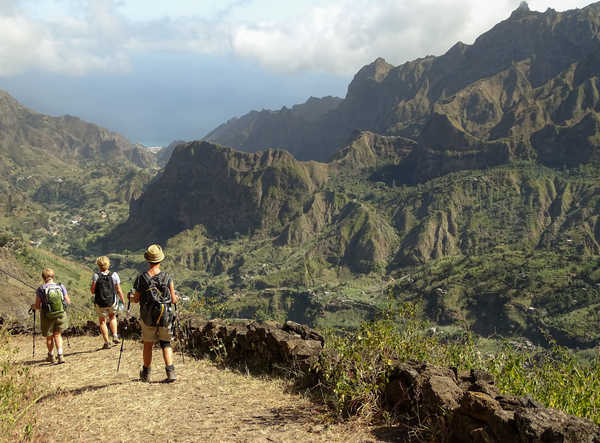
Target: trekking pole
65	334
125	327
177	333
33	352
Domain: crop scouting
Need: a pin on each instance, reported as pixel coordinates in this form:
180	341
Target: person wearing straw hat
155	293
51	299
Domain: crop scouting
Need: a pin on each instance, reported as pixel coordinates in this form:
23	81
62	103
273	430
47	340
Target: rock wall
467	407
261	346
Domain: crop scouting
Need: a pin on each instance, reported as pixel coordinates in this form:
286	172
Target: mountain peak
521	11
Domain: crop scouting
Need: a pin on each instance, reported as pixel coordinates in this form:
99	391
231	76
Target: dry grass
87	400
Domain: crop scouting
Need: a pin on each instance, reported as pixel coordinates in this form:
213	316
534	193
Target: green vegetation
65	215
355	366
508	252
18	391
26	263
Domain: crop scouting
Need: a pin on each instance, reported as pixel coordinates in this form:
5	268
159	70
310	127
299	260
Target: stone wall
467	407
264	346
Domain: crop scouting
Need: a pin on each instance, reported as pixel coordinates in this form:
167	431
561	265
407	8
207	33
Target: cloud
335	36
346	34
65	44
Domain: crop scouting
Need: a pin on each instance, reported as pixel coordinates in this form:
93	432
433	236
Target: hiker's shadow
84	352
43	362
279	415
401	434
79	391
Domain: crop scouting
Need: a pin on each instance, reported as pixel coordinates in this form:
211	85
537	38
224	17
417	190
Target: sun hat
154	254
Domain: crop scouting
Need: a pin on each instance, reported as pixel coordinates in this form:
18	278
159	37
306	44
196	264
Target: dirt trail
91	402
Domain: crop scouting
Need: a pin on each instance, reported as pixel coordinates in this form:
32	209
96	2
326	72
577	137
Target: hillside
511	250
20	273
526	84
283	129
226	191
65	181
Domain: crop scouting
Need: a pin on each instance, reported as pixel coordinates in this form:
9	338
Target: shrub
18	392
355	367
554	378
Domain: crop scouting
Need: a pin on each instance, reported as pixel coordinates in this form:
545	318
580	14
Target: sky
157	71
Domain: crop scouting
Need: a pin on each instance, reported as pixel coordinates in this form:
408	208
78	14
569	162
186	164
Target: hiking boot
171	377
106	345
50	358
145	374
116	340
61	358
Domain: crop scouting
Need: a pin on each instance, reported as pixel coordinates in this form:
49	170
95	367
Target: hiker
51	300
106	285
156	295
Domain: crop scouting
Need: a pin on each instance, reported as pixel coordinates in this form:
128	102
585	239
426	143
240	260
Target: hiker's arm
67	299
174	297
93	285
38	303
120	293
136	297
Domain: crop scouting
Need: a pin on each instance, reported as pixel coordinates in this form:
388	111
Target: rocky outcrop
370	150
467	407
224	190
262	346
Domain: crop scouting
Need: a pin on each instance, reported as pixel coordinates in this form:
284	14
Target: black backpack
155	300
104	291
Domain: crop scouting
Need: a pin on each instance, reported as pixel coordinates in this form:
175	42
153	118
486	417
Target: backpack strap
150	282
147	279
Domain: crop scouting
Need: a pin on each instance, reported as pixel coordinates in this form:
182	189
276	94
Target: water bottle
121	306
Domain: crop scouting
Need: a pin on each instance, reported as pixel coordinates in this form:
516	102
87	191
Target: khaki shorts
107	311
49	326
150	333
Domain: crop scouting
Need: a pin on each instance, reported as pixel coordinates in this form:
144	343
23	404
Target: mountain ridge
400	100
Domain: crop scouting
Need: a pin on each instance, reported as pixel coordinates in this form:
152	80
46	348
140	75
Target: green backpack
53	303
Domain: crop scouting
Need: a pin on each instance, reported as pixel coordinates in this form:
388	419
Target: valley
464	184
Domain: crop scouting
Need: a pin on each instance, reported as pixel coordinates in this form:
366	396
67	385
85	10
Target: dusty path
94	403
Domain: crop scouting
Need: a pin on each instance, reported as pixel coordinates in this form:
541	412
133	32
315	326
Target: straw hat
154	254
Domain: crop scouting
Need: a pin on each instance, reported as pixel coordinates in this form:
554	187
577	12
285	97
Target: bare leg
103	328
50	344
58	341
113	324
148	345
168	355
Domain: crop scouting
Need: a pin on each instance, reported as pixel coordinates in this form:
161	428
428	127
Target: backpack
155	301
104	291
53	302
